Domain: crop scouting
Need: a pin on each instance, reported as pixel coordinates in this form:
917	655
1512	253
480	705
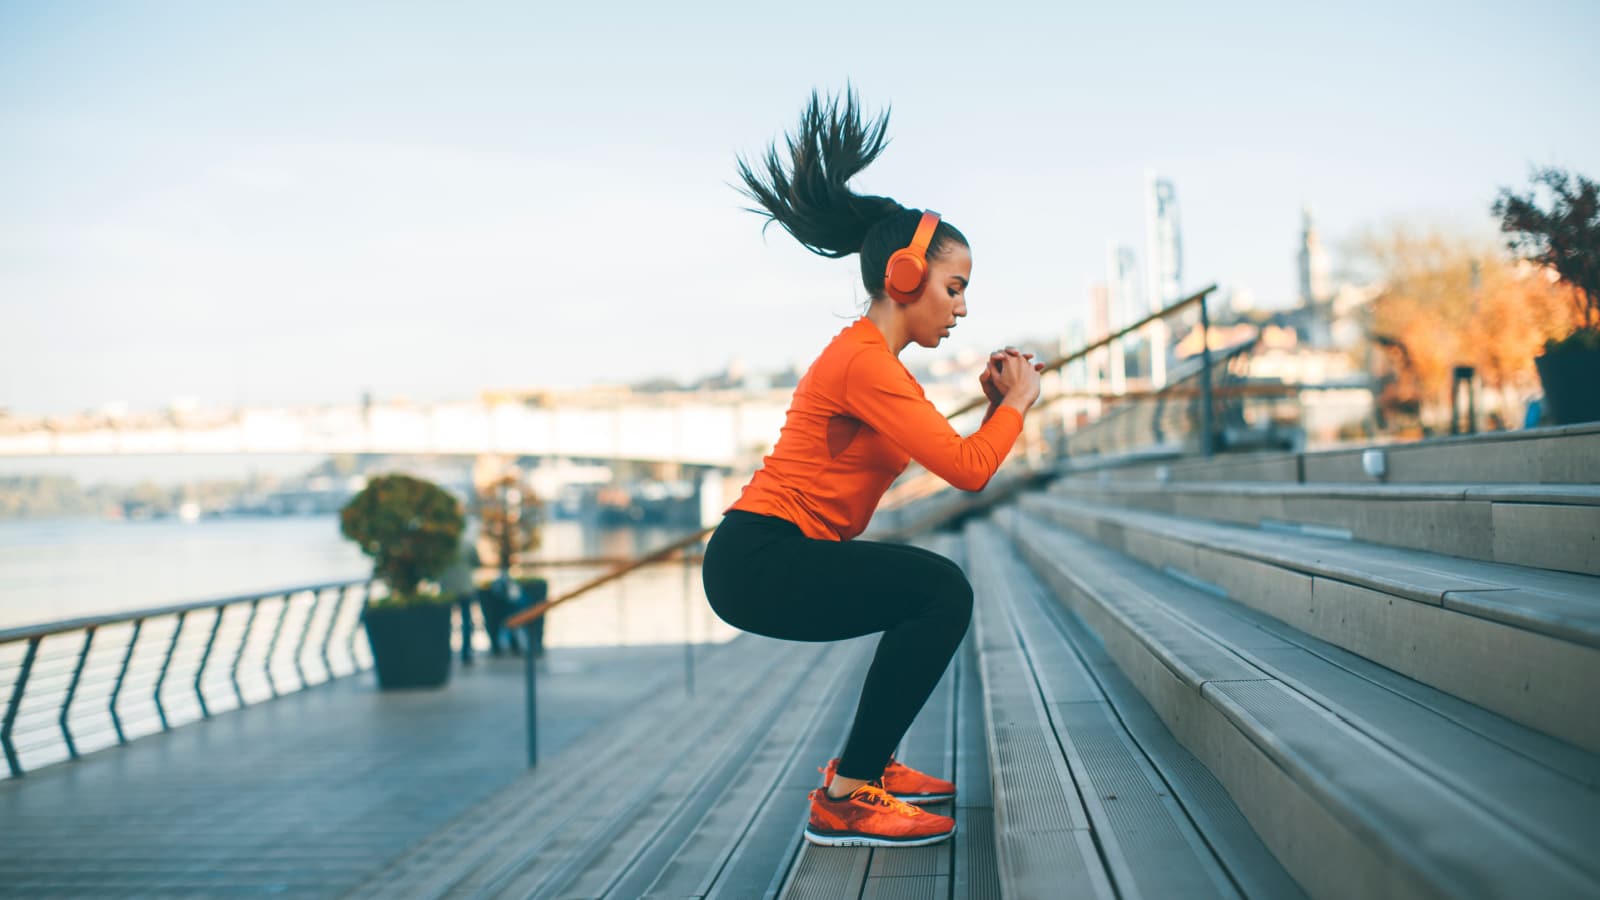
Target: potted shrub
510	513
412	529
1565	239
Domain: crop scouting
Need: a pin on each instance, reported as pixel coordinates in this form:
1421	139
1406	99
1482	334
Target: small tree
509	511
1566	237
410	527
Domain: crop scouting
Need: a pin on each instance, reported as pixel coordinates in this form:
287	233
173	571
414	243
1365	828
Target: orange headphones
908	266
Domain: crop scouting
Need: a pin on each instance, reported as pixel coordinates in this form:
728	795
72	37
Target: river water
64	569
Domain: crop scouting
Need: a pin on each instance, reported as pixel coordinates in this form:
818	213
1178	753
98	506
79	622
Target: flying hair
810	196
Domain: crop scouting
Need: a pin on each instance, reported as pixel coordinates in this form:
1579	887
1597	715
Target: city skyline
242	207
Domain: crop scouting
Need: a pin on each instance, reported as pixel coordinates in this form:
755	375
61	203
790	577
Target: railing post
529	674
116	720
305	633
688	646
72	691
327	638
15	704
244	645
272	646
622	610
205	658
361	617
1207	439
172	647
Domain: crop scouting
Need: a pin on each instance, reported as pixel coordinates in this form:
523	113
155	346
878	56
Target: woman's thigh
798	588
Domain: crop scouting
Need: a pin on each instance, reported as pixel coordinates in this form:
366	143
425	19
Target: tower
1164	261
1315	285
1163	244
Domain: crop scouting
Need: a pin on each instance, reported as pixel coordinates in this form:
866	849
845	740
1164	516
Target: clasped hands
1011	377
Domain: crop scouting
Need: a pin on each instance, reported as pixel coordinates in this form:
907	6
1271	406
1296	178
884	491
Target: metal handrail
1285	389
1082	352
527	616
45	629
1176	389
207	660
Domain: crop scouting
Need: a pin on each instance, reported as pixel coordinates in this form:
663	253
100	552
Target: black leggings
763	575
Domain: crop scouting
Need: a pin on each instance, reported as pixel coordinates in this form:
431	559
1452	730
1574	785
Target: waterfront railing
77	686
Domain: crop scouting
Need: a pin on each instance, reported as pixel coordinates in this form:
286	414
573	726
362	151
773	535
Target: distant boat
189	512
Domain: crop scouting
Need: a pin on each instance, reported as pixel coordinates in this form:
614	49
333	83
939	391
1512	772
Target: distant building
1126	304
1075	376
1099	310
1315	284
1239	301
1105	365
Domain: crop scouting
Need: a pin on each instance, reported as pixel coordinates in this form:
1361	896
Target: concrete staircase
1394	683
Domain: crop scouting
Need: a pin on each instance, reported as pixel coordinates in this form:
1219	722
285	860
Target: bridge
725	429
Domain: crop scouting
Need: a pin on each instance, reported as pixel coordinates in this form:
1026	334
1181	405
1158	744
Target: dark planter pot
1571	379
410	645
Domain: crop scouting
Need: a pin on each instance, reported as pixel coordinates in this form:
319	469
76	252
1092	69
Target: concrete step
1522	642
974	865
1358	787
1162	824
1567	454
1043	840
1540	526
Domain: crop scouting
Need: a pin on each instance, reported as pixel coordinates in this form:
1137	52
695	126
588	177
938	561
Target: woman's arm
881	393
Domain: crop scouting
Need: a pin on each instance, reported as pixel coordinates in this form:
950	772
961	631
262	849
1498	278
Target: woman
783	562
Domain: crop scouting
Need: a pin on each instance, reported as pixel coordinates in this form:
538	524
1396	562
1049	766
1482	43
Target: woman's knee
953	600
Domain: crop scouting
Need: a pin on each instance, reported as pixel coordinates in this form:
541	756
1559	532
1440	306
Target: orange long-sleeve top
857	418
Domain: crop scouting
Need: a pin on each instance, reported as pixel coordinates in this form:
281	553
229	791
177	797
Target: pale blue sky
286	204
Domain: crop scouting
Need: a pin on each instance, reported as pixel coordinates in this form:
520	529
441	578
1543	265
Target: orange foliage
1519	309
1451	301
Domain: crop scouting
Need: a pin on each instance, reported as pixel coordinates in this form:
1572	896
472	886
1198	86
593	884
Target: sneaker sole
923	798
854	839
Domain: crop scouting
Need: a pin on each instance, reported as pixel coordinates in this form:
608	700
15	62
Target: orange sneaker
870	817
904	782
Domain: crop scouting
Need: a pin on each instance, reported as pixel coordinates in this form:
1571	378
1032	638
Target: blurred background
251	256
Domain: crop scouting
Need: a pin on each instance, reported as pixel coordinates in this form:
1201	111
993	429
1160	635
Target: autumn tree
1448	300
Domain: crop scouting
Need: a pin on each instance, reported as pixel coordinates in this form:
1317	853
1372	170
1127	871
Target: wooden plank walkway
308	795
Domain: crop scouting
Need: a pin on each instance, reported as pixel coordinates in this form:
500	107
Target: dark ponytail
812	202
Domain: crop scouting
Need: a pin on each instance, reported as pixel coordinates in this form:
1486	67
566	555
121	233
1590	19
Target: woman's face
944	296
